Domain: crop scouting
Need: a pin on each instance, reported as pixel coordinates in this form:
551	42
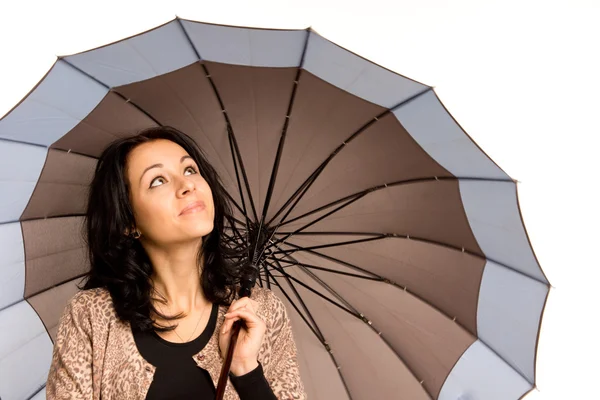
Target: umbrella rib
363	318
323	341
55	285
352	200
326	286
230	131
300	192
389	282
397	183
46	217
238	221
424	301
2	139
237	152
276	276
43	217
233	241
310	266
40	389
322	246
231	146
284	132
236	204
359	195
329	289
518	371
237	176
316	331
302	189
385	280
299	297
315	291
187	36
332	291
379	236
233	142
124	98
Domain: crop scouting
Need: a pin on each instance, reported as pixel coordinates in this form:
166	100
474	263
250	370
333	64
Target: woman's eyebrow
161	165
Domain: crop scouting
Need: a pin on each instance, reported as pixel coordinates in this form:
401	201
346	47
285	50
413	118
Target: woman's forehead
157	151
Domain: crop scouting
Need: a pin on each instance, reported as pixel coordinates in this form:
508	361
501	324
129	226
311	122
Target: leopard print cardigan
95	356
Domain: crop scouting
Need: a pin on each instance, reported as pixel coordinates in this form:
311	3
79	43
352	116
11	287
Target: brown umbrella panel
396	244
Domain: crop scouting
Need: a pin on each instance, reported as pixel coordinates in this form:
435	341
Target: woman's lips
193	208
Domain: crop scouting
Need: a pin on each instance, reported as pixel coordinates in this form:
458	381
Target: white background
521	77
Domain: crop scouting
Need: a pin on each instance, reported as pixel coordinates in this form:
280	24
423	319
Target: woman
154	318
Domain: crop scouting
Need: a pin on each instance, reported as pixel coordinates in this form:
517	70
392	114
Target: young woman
154	317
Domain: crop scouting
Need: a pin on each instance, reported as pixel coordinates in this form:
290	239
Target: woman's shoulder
270	305
93	303
90	297
263	296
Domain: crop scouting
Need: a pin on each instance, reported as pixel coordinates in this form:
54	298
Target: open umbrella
396	244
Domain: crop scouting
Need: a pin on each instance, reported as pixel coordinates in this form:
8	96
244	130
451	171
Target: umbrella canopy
396	244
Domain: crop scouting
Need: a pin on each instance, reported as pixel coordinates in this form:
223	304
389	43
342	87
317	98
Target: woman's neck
176	279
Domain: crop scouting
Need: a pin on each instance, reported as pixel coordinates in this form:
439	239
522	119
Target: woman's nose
186	185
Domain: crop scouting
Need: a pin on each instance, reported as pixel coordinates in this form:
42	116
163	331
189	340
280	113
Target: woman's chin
198	233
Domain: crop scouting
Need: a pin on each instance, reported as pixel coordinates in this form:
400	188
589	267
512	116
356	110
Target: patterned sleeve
283	373
70	375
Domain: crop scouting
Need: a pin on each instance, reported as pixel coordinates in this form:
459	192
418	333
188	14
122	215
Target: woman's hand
245	354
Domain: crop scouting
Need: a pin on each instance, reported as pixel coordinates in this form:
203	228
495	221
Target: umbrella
395	242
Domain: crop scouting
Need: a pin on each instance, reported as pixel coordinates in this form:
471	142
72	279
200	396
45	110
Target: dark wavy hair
120	264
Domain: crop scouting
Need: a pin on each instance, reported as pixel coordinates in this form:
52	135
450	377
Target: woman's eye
192	168
160	178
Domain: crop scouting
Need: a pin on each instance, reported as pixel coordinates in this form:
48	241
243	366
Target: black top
178	377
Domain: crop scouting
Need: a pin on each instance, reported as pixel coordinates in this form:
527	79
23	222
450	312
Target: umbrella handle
235	330
245	290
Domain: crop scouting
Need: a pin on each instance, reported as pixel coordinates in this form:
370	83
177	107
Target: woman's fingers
226	325
250	318
242	308
247	315
251	334
243	302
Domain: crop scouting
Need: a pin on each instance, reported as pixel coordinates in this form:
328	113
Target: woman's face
164	180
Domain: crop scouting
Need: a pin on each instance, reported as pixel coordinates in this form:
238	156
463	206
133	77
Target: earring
136	234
